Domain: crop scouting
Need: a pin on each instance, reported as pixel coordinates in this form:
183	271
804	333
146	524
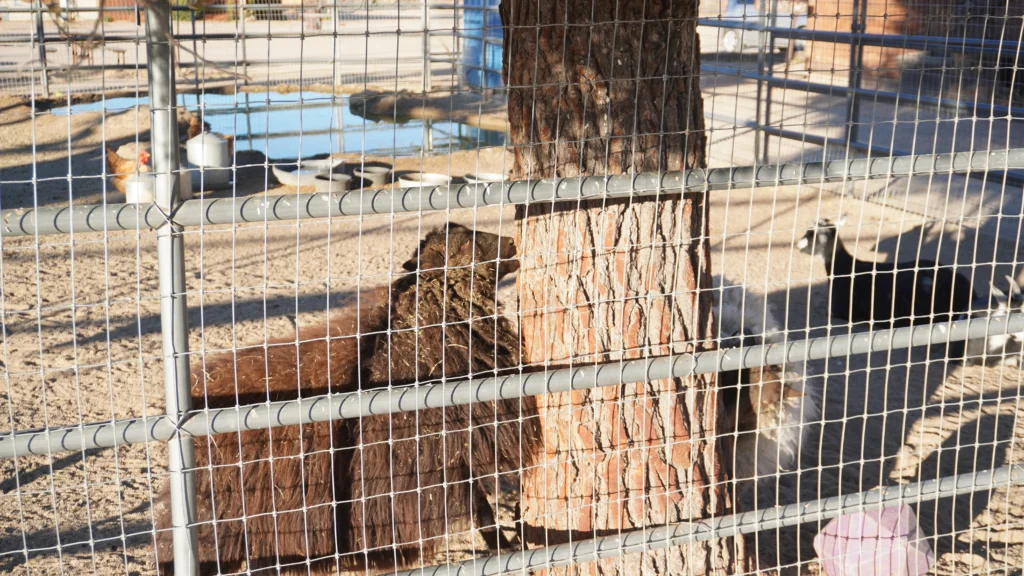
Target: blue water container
482	58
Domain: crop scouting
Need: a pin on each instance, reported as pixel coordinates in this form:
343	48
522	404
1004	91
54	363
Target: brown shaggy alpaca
287	469
314	467
421	475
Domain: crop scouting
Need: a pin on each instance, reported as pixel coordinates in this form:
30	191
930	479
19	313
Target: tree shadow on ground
980	444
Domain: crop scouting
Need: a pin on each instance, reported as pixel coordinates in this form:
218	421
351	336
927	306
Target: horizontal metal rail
825	141
1011	176
995	174
464	7
658	537
436	125
497	69
983	109
80	10
260	208
455	62
258	105
362	7
497	41
199	64
974	108
930	43
108	39
353	129
438	395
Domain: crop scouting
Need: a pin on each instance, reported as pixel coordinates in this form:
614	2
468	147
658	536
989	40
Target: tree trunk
617	91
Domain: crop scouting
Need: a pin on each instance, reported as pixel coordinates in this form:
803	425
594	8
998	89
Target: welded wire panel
893	90
262	293
491	378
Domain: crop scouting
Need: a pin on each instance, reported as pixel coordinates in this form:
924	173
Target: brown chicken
135	157
121	168
195	127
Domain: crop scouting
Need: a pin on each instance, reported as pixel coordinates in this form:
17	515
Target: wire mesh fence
97	49
637	286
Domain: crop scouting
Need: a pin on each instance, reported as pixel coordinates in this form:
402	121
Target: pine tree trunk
616	91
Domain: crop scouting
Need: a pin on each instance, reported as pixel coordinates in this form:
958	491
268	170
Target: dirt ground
888	418
81	343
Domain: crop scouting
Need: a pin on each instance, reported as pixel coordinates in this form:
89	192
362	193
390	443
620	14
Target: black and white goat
1004	349
768	408
897	294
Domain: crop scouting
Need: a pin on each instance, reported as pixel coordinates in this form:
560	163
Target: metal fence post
762	38
41	34
245	53
170	258
195	50
858	26
460	70
426	46
428	136
773	21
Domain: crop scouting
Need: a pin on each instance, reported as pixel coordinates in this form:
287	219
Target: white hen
771	413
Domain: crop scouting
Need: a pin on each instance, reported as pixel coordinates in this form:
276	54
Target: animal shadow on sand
979	254
870	403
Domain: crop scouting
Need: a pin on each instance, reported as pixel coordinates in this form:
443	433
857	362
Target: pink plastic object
874	543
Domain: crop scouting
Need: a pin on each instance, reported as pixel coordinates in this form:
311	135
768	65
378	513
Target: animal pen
630	286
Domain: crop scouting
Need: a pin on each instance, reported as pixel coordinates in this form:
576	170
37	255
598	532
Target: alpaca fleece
287	469
421	475
375	489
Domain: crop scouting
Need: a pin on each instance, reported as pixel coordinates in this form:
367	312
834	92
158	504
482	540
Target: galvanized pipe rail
207	63
1013	177
466	36
465	7
931	43
440	394
665	536
211	36
979	108
361	8
261	208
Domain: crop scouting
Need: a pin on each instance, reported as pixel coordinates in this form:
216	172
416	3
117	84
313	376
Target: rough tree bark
596	88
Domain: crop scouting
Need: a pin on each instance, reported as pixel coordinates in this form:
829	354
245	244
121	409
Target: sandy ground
81	342
888	418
